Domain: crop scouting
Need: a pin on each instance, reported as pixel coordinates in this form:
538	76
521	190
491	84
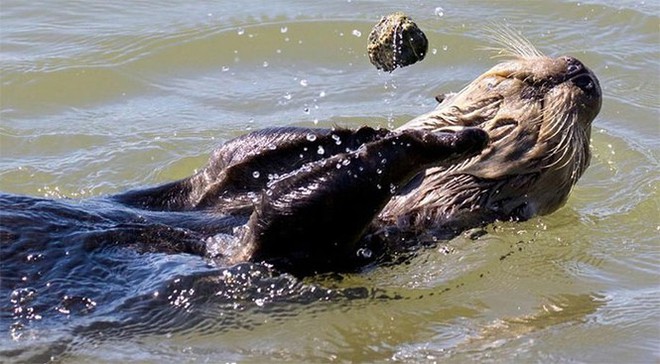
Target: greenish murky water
99	97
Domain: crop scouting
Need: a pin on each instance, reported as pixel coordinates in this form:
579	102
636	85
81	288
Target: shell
396	41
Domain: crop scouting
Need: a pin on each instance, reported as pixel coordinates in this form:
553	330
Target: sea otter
508	146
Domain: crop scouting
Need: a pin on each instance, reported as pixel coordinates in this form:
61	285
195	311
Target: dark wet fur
139	261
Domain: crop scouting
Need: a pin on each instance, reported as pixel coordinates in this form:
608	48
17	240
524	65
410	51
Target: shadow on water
81	273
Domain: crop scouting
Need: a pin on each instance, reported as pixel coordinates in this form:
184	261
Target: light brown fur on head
537	111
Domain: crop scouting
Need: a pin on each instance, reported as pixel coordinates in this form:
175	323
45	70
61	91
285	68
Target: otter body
303	199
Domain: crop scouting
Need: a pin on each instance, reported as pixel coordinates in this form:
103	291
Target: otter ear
442	98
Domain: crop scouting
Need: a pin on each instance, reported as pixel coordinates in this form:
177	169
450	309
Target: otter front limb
311	221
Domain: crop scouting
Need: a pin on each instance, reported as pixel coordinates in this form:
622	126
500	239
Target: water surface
99	97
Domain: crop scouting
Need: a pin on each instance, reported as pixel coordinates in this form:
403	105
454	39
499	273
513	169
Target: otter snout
581	76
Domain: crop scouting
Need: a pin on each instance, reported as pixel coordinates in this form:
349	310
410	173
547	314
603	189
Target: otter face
532	108
538	112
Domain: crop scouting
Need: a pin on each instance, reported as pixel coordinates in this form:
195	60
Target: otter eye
584	82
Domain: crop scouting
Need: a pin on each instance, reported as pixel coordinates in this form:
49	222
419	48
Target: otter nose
580	75
573	66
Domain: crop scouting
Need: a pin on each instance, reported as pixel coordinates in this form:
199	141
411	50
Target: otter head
538	112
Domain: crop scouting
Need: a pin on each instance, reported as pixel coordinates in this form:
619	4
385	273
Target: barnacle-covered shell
396	41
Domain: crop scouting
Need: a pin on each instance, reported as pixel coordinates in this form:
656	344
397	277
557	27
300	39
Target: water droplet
445	47
364	253
304	83
322	94
240	31
434	51
392	188
284	29
288	96
255	174
439	12
320	151
306	110
337	139
311	137
22	295
265	63
357	33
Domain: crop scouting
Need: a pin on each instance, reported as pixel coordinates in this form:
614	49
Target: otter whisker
556	127
512	43
563	147
582	157
557	119
537	120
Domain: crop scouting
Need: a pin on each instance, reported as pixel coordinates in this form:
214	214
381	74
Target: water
99	97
